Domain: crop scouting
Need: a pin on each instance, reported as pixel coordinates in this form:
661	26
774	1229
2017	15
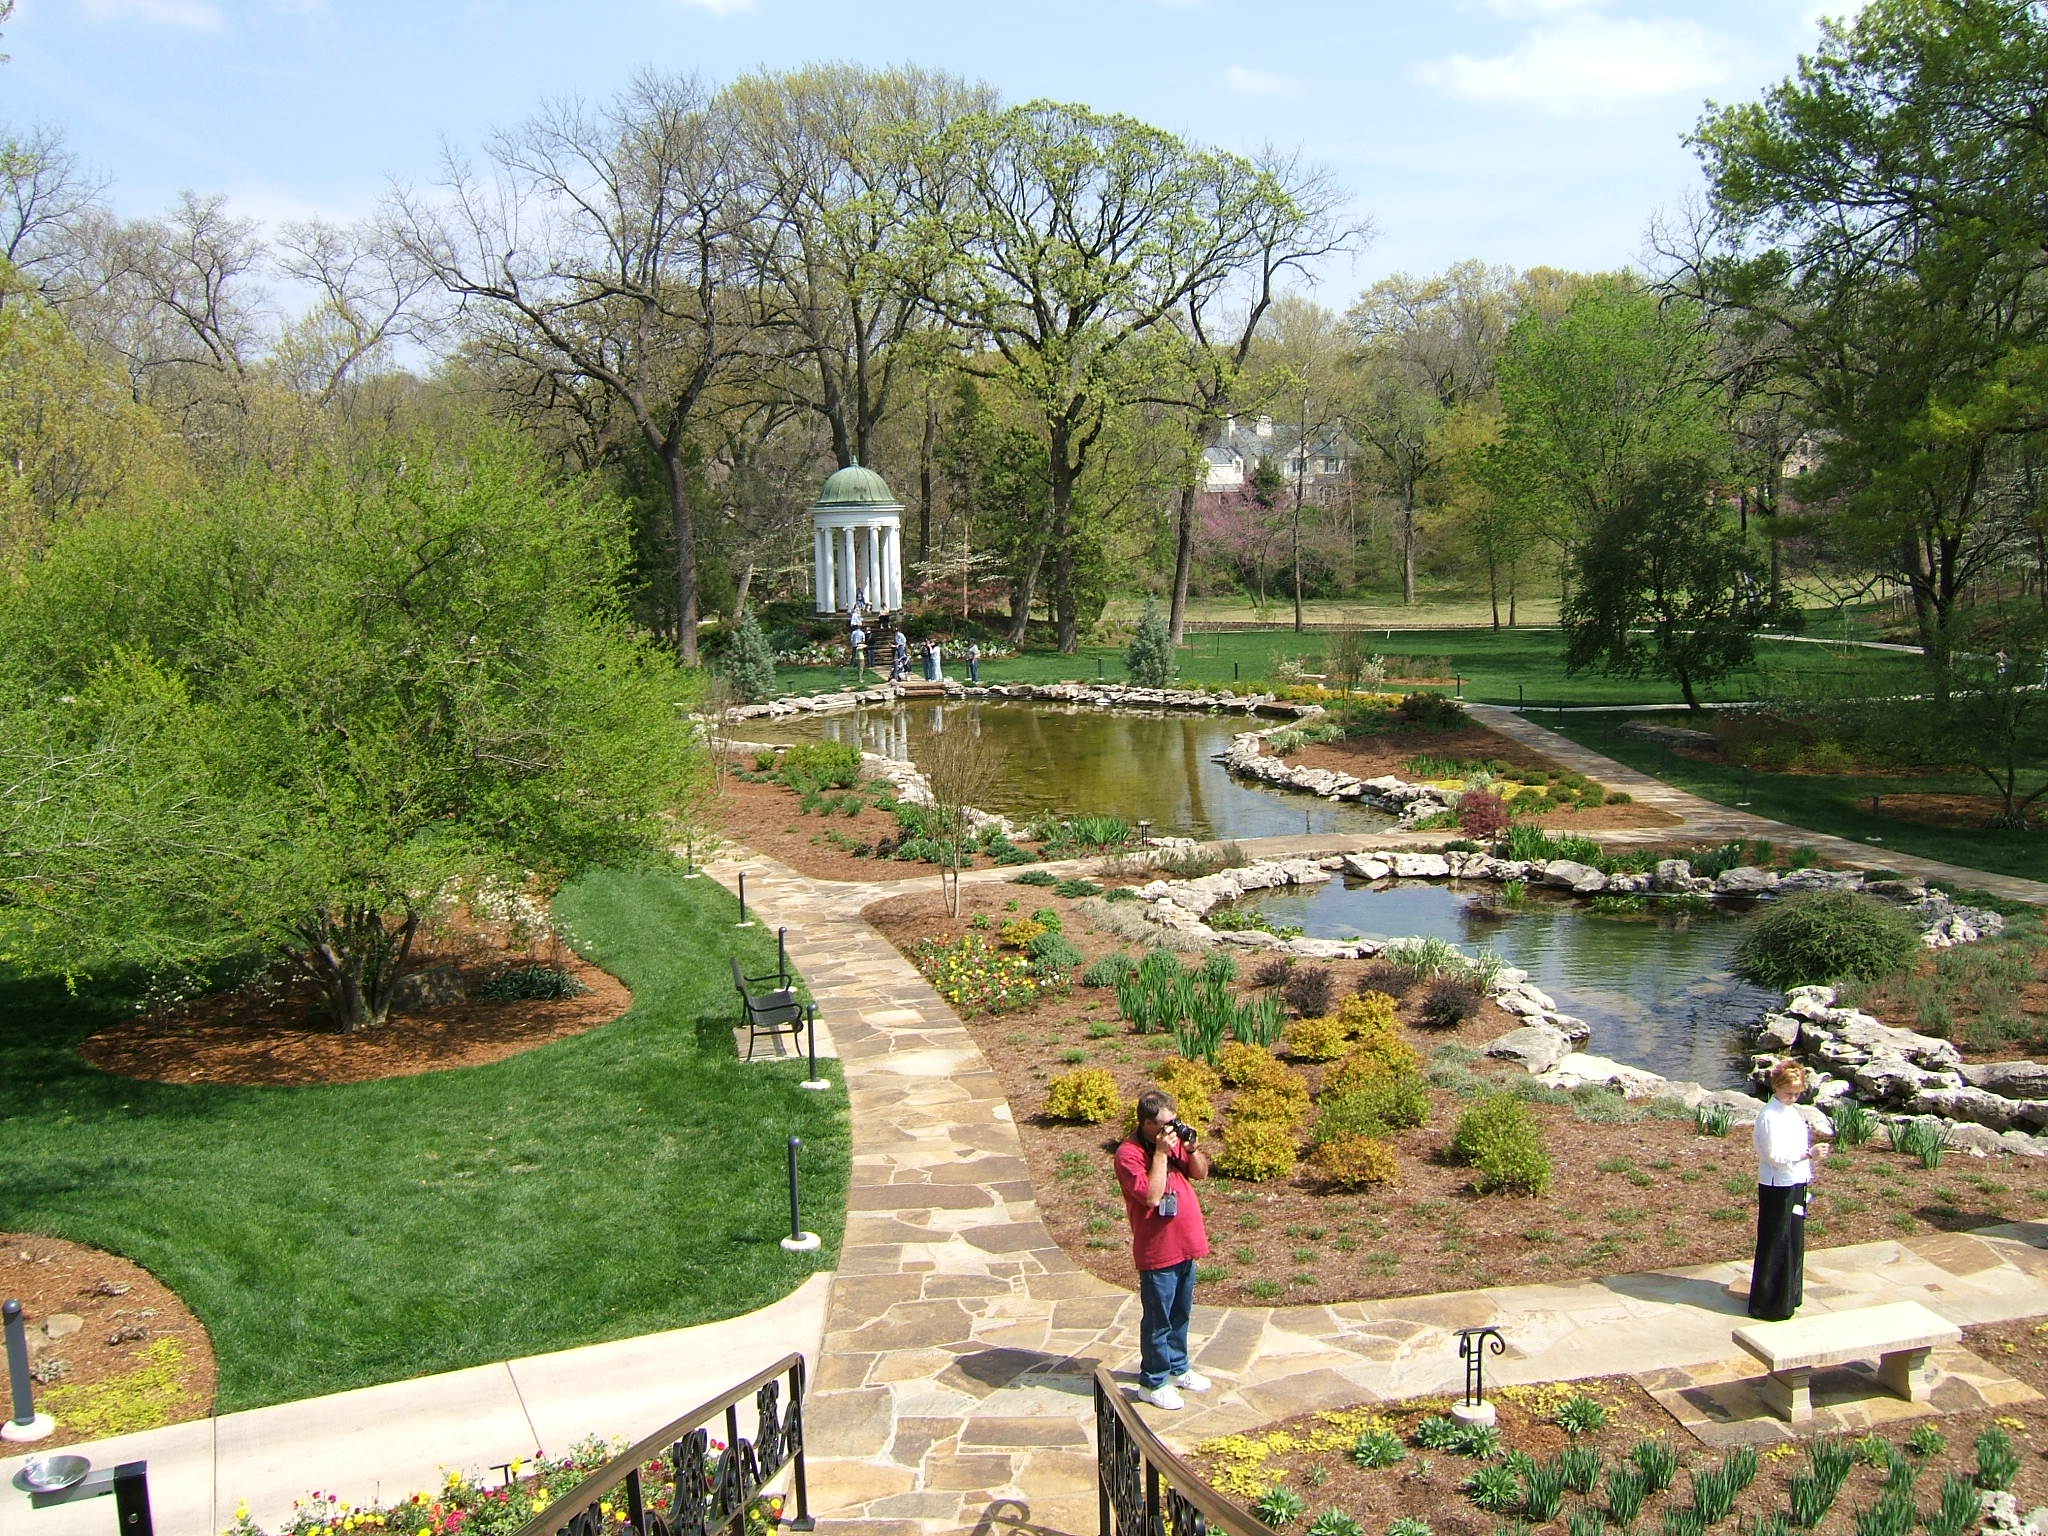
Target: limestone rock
1977	1140
1533	1047
1426	866
1671	875
1745	880
1570	875
2008	1079
61	1325
1367	866
1817	1122
1777	1031
1742	1108
1579	1069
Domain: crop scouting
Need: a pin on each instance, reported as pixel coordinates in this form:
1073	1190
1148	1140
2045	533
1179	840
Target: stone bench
1899	1336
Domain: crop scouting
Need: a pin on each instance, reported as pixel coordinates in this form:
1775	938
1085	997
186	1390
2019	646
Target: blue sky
1516	131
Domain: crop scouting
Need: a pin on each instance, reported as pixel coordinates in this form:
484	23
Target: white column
892	563
819	586
849	575
875	561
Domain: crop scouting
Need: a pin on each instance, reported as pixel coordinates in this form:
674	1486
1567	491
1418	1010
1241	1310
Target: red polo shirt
1160	1242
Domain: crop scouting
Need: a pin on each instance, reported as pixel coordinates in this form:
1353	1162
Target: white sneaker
1191	1380
1162	1396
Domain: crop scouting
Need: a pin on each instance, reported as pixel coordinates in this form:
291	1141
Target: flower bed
464	1506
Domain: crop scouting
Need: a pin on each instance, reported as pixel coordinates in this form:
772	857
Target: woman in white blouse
1784	1152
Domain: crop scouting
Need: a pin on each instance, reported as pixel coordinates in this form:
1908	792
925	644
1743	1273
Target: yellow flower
242	1511
2007	1421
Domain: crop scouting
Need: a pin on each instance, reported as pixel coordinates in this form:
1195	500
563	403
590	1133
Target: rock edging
1101	695
1246	758
1548	1042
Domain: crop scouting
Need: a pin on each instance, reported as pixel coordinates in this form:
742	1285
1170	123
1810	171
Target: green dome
856	486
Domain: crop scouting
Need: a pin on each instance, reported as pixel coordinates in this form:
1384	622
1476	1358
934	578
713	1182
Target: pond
1070	758
1655	986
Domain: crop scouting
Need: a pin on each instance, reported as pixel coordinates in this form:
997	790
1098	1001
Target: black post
1233	671
17	1364
801	1479
1875	802
1098	669
796	1228
811	1030
743	899
1745	786
782	954
131	1499
1518	695
1460	677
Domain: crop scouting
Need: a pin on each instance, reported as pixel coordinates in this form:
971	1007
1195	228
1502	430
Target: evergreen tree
1150	658
750	665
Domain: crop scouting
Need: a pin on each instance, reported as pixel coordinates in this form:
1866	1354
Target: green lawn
1498	667
627	1180
1834	803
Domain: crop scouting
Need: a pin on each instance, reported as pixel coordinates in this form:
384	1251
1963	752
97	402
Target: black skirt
1777	1281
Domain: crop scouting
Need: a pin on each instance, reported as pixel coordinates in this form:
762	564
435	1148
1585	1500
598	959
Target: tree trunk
1408	551
1066	620
354	958
1493	587
683	522
1183	562
746	582
925	451
1297	563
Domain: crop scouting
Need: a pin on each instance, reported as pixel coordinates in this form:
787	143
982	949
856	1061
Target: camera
1185	1132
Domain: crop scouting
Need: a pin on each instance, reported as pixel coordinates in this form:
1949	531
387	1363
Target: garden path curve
953	1388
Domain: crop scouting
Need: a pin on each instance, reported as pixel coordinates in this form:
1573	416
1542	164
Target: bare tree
48	206
602	248
960	765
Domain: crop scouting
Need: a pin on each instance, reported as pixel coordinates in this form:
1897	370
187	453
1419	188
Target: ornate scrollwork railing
1145	1489
695	1491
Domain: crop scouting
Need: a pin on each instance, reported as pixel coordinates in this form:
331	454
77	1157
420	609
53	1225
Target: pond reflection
1070	758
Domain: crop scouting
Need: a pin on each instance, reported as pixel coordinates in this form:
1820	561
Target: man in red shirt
1155	1165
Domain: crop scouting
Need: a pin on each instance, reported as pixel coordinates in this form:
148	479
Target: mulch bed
271	1034
768	819
137	1358
1645	1194
1310	1454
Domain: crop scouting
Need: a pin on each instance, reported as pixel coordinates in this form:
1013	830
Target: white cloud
1589	63
1259	82
199	15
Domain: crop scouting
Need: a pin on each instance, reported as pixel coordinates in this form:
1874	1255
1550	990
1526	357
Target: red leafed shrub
1482	815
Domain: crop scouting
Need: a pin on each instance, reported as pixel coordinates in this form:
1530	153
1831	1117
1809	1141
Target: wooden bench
773	1012
1898	1335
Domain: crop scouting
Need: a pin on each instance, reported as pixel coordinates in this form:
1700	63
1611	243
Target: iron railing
1144	1488
707	1493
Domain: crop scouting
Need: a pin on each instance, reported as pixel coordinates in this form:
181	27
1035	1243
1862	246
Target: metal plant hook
1473	1344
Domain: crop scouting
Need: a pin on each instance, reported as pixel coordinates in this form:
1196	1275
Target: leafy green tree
1149	661
1595	397
1075	238
749	664
294	716
1663	585
1884	215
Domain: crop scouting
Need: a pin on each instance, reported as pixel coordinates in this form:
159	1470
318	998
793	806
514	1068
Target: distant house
1238	452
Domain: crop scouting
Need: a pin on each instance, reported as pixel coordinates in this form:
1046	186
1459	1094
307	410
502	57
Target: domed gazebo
857	551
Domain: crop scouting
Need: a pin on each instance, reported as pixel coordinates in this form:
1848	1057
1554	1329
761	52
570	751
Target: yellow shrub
1256	1150
1367	1012
1285	1101
1320	1039
1193	1085
1355	1070
1248	1066
1018	932
1089	1096
1352	1161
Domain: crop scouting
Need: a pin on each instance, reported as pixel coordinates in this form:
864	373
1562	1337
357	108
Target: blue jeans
1168	1296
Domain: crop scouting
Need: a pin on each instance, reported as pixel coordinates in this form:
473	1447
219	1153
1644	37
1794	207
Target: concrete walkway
391	1441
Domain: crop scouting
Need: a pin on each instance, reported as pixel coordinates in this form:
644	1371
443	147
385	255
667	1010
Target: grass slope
1836	803
620	1182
